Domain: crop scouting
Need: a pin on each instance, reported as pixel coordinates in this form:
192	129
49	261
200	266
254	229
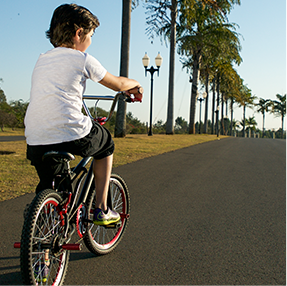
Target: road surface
11	138
213	213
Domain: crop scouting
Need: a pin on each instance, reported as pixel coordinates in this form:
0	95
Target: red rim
109	244
55	204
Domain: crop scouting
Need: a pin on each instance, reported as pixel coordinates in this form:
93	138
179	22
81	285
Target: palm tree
230	84
263	107
200	35
206	101
235	124
246	99
162	25
170	105
279	108
250	123
120	128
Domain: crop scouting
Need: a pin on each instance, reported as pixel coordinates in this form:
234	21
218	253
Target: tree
279	109
246	99
19	108
5	110
251	125
134	125
235	124
2	97
161	24
199	31
159	127
181	125
120	128
263	107
230	84
224	53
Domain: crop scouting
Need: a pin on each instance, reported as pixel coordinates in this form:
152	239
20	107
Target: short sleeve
95	71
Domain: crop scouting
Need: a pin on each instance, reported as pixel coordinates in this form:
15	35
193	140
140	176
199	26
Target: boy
54	120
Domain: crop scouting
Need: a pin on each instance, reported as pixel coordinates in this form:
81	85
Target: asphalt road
213	213
11	138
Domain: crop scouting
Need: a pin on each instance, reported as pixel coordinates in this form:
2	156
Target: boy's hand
137	92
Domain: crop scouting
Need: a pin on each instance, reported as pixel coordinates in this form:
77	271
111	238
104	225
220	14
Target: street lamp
152	70
204	95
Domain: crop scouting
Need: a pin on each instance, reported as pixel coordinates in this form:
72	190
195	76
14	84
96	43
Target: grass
10	132
18	177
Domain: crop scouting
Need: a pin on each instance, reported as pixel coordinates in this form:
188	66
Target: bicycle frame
81	167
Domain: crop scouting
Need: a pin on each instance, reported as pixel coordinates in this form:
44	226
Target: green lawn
10	132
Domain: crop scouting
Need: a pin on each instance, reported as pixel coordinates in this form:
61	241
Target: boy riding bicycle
54	121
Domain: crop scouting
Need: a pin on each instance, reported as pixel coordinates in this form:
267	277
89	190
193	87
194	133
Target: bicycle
56	214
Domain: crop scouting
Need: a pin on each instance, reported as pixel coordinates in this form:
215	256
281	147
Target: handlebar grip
134	94
130	99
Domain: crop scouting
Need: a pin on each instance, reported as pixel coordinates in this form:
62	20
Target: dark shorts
98	144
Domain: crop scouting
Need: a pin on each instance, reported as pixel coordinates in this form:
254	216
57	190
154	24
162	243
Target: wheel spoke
41	236
103	239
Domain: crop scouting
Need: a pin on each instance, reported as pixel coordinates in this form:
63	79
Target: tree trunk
231	116
120	127
170	106
222	115
244	111
206	102
263	124
282	118
217	106
195	79
213	106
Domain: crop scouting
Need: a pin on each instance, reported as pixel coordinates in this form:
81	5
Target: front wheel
104	239
43	261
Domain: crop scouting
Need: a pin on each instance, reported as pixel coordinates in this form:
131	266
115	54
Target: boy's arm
119	83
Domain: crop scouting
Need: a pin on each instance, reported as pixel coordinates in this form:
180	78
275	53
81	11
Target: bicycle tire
102	240
41	230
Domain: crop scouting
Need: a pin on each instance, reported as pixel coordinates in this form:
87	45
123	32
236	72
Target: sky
262	25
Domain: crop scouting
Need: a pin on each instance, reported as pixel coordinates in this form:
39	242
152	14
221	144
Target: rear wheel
43	261
104	239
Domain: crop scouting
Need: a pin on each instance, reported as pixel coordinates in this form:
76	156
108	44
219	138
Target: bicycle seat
58	156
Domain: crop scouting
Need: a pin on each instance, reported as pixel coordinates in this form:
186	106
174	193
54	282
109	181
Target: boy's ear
79	34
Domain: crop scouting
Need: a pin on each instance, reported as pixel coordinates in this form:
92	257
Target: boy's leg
102	171
103	215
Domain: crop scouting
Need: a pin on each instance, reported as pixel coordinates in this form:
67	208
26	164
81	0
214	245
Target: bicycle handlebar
115	99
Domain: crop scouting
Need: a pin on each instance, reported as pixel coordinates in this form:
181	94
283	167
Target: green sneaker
101	218
41	273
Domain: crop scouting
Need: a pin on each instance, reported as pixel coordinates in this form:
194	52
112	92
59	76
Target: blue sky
262	23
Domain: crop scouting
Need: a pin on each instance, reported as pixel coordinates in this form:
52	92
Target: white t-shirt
58	83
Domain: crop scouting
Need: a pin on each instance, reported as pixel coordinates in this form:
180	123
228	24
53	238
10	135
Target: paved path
213	213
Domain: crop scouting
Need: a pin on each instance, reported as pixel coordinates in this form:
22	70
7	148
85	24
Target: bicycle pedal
113	225
72	246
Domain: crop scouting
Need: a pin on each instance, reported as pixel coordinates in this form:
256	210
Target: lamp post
200	99
152	70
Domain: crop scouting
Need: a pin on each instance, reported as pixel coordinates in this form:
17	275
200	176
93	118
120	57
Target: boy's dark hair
66	20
